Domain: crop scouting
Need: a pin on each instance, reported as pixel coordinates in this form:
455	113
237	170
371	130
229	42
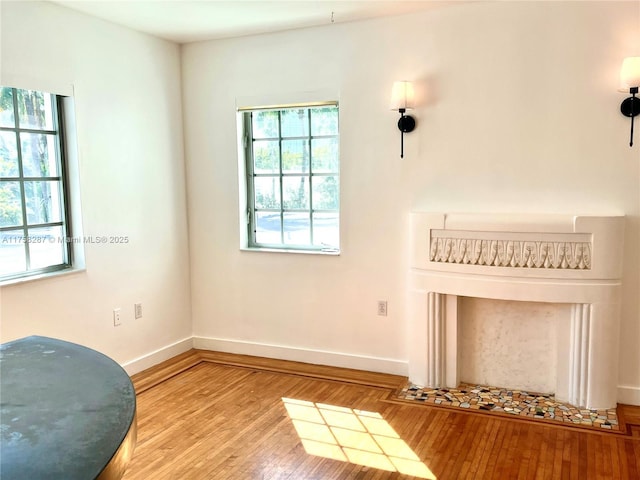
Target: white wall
520	114
129	131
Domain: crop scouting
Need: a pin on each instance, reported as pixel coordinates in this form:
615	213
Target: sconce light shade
402	96
630	82
630	74
403	99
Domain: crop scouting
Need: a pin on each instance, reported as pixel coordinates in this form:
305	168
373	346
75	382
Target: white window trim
271	104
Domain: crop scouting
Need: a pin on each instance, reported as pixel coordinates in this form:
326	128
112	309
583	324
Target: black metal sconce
402	99
629	82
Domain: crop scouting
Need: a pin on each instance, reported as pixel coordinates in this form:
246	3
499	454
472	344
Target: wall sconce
402	99
629	82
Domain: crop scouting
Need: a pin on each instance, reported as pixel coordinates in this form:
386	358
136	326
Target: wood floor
222	418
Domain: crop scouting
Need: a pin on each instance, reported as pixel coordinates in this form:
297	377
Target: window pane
326	230
13	257
264	124
295	122
290	147
267	192
10	204
43	202
268	226
28	161
35	110
39	155
295	156
6	107
324	154
8	155
324	121
297	228
266	156
46	247
326	192
295	191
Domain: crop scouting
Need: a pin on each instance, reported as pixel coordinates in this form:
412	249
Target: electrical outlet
116	317
382	308
138	310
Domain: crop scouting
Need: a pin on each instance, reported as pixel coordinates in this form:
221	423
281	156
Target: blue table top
64	410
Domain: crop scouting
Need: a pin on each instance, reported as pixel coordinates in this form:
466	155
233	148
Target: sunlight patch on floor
354	436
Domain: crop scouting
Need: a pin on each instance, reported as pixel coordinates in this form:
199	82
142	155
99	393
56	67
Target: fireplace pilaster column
442	341
579	354
436	327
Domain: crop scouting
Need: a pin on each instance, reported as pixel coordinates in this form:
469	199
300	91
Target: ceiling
185	21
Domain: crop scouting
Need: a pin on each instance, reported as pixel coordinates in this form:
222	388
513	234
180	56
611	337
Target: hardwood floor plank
632	458
486	443
616	470
219	421
165	370
503	432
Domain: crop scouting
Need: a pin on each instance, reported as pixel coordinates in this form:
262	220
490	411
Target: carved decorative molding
568	255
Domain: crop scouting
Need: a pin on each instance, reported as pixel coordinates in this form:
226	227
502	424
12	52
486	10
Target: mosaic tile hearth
513	402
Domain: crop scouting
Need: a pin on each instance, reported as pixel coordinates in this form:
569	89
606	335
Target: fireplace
562	259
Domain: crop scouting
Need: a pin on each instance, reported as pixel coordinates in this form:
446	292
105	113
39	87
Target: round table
66	412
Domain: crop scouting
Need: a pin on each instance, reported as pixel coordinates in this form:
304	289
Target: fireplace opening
513	344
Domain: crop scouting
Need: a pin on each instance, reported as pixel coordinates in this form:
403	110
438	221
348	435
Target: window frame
59	131
248	140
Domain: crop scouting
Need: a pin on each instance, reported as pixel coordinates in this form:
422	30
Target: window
33	220
293	177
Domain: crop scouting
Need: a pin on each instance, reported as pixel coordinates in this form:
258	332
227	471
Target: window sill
332	253
42	276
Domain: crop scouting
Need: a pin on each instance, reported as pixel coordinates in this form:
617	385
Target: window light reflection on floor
354	436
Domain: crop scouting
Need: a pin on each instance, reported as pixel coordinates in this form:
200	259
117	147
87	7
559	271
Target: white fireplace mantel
574	259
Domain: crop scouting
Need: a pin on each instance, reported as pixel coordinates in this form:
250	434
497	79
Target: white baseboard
318	357
158	356
629	395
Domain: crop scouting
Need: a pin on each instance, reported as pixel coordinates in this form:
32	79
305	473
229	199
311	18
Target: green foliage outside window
33	112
